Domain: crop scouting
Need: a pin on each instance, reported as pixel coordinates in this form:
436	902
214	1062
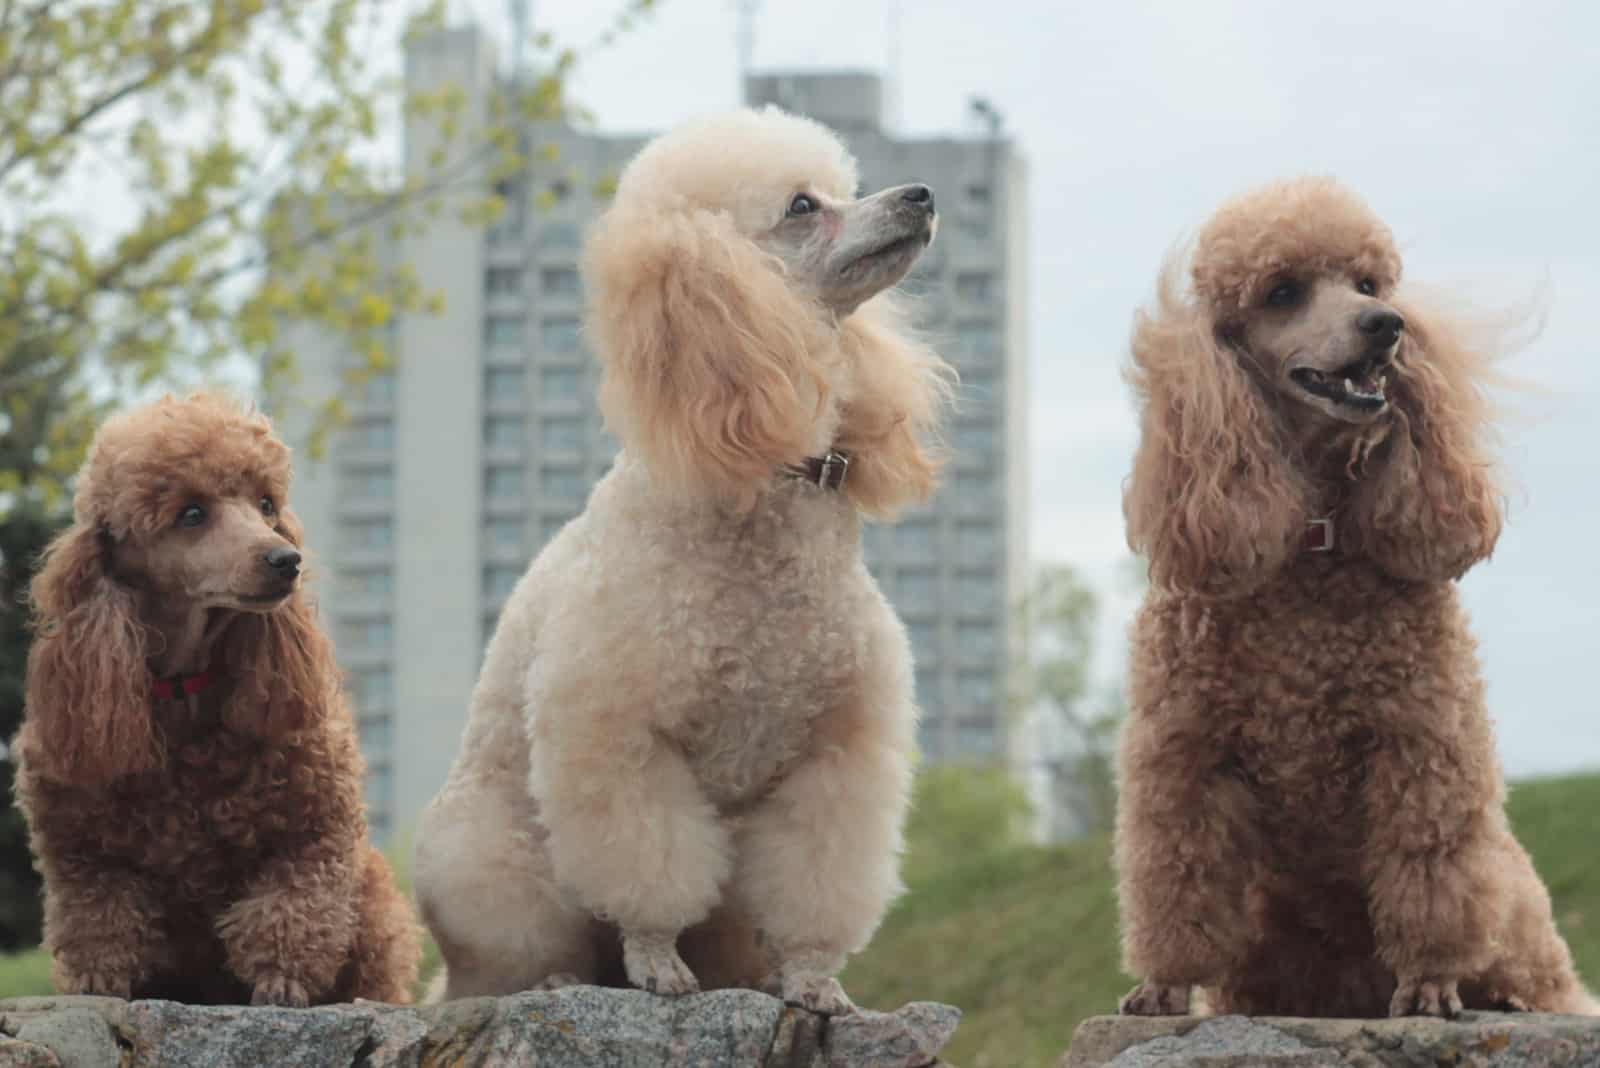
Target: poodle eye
192	516
267	507
802	204
1283	294
1368	287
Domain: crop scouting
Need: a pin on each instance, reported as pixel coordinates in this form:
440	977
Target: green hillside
1024	939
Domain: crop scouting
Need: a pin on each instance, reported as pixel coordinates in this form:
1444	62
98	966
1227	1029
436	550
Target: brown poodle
1311	817
188	769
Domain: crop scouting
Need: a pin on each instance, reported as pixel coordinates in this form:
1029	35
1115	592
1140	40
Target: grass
1024	939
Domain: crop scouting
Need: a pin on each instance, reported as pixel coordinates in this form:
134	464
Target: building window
976	286
372	483
374	434
930	739
976	543
976	641
369	534
560	383
378	389
973	229
559	335
374	688
914	538
924	640
559	281
562	434
975	739
928	688
504	432
503	483
503	383
503	281
975	441
975	591
380	786
977	393
369	634
977	338
978	192
918	589
377	736
974	487
505	533
551	525
502	332
559	235
370	583
499	581
563	484
976	689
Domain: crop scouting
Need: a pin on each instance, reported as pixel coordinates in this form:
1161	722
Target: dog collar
826	471
181	685
1318	537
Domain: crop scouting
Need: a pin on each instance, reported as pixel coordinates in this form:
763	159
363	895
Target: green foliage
181	179
958	814
23	537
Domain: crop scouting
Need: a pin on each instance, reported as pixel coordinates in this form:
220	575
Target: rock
573	1026
1476	1040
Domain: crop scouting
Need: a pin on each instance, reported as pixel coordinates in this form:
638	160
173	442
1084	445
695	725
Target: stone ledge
576	1026
1476	1040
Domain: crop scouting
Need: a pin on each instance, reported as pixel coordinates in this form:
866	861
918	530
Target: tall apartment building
459	465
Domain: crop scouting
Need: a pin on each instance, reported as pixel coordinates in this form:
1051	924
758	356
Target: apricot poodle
1311	817
188	769
688	754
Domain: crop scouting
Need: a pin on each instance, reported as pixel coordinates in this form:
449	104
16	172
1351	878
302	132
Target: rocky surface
1476	1040
576	1026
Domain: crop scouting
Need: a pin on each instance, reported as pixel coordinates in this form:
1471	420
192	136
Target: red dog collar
1319	535
167	689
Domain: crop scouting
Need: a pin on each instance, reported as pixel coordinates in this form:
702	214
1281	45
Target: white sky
1473	128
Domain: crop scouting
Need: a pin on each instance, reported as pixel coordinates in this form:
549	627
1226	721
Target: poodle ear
281	663
1429	507
889	425
88	686
708	354
1212	502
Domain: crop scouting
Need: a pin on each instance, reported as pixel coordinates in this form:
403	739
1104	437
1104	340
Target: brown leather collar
826	471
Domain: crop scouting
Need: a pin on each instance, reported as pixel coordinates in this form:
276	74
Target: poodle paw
653	964
1511	1003
95	984
821	994
1426	997
558	981
1155	999
281	991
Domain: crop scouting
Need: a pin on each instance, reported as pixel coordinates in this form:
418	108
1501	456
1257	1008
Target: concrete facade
485	439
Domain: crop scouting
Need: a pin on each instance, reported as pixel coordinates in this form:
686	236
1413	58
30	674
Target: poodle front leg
1435	877
291	932
102	928
632	840
819	863
1185	839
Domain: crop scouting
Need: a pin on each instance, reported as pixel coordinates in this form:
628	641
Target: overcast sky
1473	128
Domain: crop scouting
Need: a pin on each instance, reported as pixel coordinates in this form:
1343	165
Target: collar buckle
1319	535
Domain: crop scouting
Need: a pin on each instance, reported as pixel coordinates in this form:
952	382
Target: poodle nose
284	560
1383	325
918	194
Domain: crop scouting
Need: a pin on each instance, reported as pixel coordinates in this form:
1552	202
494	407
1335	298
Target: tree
165	166
22	537
1079	722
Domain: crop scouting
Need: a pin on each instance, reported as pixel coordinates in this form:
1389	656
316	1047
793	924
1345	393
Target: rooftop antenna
745	35
521	30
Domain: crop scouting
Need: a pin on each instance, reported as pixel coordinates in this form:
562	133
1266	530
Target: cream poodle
688	755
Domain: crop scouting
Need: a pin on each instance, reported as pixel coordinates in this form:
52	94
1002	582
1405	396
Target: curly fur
1311	817
210	849
688	754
